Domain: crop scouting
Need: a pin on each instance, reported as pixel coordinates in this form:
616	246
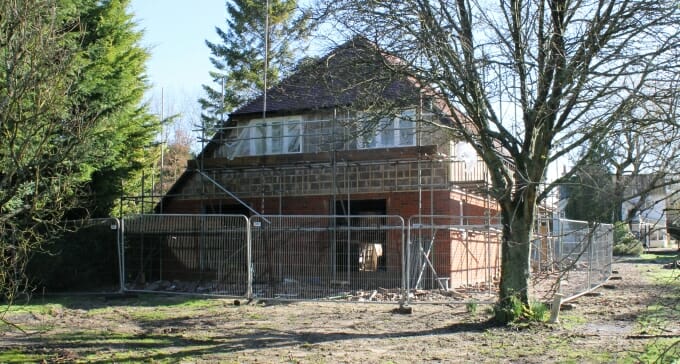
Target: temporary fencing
327	257
428	259
187	253
571	257
83	257
452	258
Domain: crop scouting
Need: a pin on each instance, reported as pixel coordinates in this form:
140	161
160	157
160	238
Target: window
397	132
273	136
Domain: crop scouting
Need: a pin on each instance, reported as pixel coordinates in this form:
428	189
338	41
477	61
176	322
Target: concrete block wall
322	179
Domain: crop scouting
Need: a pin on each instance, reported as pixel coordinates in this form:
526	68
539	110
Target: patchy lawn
635	319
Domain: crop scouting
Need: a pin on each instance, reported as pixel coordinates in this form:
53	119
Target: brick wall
405	204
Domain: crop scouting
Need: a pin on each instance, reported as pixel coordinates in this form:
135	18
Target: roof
355	72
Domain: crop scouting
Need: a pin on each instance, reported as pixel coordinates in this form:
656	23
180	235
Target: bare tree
639	156
568	68
645	150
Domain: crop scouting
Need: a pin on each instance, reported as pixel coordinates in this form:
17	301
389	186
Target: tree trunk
515	254
619	186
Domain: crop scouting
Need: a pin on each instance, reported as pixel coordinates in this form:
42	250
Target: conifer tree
111	88
239	58
43	136
71	83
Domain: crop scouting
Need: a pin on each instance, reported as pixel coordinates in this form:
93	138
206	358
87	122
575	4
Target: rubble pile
291	289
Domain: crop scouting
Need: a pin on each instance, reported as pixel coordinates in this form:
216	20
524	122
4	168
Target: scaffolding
252	160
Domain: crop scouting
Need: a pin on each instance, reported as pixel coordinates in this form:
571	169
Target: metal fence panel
187	253
355	258
570	257
83	257
452	258
602	258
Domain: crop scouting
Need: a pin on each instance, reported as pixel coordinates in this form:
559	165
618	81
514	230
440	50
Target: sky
175	32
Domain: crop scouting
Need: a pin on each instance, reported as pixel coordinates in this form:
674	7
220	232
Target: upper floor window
280	135
396	132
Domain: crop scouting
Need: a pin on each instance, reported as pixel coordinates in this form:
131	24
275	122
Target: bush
625	242
538	312
515	311
471	307
629	249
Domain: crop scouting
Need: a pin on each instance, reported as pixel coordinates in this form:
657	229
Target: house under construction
343	136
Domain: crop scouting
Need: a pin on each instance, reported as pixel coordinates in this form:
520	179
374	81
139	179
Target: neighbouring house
345	135
644	206
647	210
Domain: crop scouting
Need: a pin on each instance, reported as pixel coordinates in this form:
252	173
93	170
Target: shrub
82	259
625	242
471	307
621	232
509	312
634	249
516	311
539	311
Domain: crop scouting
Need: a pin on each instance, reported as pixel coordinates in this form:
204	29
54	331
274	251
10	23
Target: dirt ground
619	323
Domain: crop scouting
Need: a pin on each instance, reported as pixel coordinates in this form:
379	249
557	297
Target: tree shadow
160	335
101	300
662	257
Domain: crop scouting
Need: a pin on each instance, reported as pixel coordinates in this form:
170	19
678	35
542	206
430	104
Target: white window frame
265	134
397	132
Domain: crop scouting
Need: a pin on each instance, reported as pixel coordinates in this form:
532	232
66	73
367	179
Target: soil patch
615	325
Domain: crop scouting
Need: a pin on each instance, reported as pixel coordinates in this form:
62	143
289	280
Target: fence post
489	276
404	270
407	253
120	237
590	256
555	309
405	299
610	249
249	249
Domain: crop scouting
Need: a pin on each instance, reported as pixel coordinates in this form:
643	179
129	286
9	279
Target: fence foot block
404	310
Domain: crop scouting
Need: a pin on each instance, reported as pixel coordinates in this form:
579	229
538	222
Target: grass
651	322
663	350
504	346
471	307
160	347
49	309
97	337
18	356
172	329
666	309
655	258
657	316
569	320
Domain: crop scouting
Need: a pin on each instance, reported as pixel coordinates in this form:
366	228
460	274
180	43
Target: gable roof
355	72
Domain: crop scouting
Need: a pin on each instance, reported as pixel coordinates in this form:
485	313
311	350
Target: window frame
380	136
275	136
